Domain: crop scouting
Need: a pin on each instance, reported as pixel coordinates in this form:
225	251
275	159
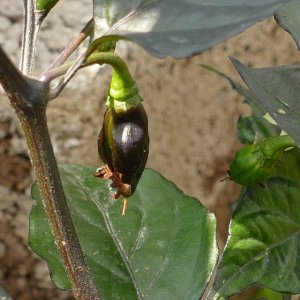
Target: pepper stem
278	143
123	90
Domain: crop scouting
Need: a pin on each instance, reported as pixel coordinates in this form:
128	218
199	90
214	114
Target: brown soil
192	116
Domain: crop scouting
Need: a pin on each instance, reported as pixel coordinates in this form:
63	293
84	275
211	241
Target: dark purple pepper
123	145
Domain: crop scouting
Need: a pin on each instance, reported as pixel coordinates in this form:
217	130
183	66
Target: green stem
275	144
122	87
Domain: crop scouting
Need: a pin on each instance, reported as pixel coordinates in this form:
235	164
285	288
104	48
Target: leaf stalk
110	58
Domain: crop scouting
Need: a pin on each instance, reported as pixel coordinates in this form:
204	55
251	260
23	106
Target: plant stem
67	77
29	99
100	58
48	179
71	47
32	23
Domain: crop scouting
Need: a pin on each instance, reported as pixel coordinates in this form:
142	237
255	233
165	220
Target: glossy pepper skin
123	145
252	164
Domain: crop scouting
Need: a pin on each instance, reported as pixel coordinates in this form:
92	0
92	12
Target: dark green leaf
178	28
277	90
165	244
288	18
265	235
287	166
264	241
254	127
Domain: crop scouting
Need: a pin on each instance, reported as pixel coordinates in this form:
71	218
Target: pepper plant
164	247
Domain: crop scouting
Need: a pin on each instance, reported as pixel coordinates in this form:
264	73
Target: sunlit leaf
179	28
164	246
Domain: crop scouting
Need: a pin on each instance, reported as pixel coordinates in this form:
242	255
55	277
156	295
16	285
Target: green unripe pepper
252	164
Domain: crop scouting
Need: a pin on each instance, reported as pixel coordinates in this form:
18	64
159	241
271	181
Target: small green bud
252	164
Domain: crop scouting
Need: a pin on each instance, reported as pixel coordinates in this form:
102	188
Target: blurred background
192	118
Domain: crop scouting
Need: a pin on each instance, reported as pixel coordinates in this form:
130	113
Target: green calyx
122	86
123	91
121	105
